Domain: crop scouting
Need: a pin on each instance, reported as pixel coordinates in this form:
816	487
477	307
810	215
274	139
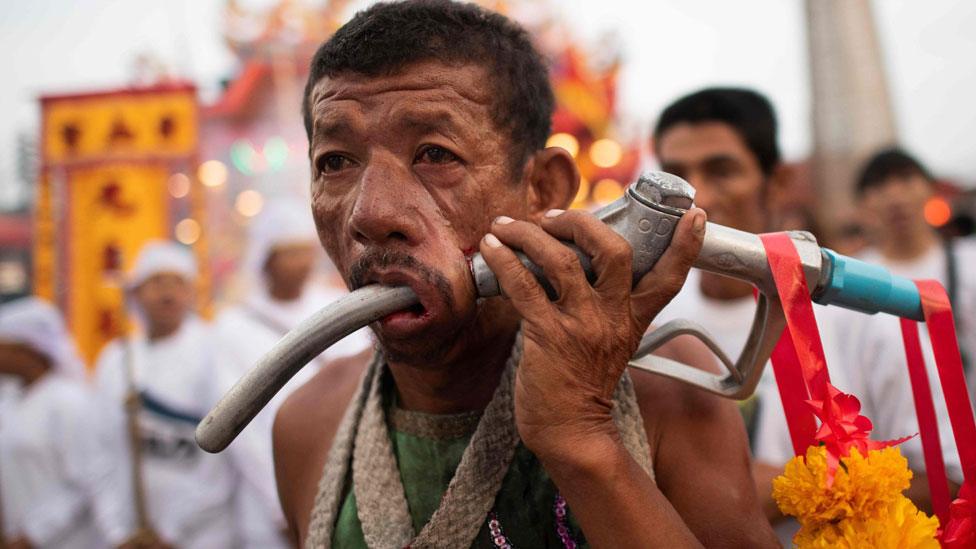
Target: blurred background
138	119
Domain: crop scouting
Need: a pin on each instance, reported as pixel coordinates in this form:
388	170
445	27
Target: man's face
291	264
164	298
408	170
726	175
19	360
897	205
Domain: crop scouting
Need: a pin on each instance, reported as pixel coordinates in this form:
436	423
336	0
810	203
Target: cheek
746	189
461	212
471	211
330	215
742	197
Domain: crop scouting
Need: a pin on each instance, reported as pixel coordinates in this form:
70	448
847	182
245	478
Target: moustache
374	259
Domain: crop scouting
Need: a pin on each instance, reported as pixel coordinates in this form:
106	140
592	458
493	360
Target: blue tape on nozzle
868	288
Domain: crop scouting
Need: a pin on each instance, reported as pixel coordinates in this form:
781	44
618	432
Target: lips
416	318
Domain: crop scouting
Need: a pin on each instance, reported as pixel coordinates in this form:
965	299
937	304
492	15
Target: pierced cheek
471	221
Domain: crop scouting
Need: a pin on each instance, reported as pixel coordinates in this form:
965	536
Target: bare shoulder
669	406
700	453
303	431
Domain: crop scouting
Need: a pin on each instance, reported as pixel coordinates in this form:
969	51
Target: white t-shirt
56	463
932	265
189	493
244	333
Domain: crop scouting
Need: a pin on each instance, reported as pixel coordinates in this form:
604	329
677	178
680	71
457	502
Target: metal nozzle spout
296	349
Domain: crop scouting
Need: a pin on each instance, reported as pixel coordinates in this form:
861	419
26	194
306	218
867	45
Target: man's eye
330	163
436	155
722	171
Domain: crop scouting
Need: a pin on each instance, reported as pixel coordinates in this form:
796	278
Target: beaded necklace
501	541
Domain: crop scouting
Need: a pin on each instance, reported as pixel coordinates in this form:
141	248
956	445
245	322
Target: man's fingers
611	255
521	287
659	286
560	264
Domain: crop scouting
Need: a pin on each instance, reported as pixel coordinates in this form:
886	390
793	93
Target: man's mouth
410	314
416	317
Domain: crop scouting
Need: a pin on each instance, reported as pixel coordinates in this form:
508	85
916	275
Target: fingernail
699	223
503	220
554	212
492	240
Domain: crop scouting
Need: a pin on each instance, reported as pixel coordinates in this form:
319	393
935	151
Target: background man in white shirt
188	492
723	142
893	189
56	456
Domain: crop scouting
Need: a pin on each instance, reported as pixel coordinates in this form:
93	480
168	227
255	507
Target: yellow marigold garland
863	507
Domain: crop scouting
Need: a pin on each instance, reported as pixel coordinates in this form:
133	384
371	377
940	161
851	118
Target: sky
669	47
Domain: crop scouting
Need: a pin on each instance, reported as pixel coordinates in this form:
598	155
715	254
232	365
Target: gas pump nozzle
646	217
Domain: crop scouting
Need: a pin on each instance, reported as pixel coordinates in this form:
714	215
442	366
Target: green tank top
428	450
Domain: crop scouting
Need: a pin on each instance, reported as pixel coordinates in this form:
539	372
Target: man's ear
553	181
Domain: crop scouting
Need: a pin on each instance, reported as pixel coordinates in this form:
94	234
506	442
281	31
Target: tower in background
852	115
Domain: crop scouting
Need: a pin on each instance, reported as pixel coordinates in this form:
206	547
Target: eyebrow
330	129
720	158
436	121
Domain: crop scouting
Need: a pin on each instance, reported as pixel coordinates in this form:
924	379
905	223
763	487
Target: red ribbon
945	346
798	357
928	426
801	369
801	373
960	531
793	394
791	284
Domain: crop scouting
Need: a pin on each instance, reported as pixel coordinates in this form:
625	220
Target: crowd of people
74	471
108	458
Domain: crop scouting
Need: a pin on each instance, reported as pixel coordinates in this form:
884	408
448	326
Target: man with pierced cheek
500	422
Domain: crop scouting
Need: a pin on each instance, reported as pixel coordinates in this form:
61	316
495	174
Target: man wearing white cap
56	457
188	492
280	259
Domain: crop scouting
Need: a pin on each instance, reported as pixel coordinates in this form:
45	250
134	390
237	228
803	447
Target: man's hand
577	347
574	351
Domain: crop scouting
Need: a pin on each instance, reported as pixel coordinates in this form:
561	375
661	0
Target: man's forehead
701	139
462	85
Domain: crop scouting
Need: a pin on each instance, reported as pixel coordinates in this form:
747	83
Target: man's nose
385	208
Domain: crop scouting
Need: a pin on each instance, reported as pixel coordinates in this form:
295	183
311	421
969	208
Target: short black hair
749	113
388	36
887	164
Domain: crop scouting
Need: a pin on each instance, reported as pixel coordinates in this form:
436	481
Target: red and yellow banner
103	193
113	210
152	123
